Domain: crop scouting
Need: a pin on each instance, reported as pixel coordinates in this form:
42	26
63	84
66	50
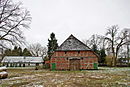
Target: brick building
73	55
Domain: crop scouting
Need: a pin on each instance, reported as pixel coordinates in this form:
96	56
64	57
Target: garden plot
104	77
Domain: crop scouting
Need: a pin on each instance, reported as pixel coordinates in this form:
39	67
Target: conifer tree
26	52
102	56
20	53
7	52
52	45
94	48
15	51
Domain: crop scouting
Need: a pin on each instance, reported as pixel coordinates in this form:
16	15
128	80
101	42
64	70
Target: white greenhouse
22	61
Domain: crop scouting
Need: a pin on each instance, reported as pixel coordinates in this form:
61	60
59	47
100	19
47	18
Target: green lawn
104	77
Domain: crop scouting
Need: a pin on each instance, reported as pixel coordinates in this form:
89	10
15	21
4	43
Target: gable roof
72	44
22	59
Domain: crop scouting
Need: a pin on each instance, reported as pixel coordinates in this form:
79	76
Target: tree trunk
114	60
128	54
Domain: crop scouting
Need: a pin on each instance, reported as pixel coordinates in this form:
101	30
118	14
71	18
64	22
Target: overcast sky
82	18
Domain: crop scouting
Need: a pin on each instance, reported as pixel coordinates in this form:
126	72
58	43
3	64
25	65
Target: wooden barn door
74	64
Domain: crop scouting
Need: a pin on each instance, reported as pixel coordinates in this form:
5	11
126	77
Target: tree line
17	51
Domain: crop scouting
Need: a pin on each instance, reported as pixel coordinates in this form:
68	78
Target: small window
65	52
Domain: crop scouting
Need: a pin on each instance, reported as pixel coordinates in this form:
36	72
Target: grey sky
82	18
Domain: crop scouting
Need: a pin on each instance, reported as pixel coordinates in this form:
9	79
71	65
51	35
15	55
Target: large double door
74	64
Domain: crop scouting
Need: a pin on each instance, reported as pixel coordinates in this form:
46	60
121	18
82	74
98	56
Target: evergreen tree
102	56
52	45
20	53
94	48
15	51
8	52
26	52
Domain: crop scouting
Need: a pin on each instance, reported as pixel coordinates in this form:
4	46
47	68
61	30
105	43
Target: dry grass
104	77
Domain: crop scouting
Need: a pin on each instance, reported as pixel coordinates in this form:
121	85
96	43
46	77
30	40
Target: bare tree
97	40
127	46
13	18
37	50
116	41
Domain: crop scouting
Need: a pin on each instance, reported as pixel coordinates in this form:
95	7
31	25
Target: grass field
104	77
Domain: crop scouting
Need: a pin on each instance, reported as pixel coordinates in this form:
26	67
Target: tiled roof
71	44
22	59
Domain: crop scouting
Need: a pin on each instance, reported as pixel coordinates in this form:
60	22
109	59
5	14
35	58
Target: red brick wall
87	59
47	61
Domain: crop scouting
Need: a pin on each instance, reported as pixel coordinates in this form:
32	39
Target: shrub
108	60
